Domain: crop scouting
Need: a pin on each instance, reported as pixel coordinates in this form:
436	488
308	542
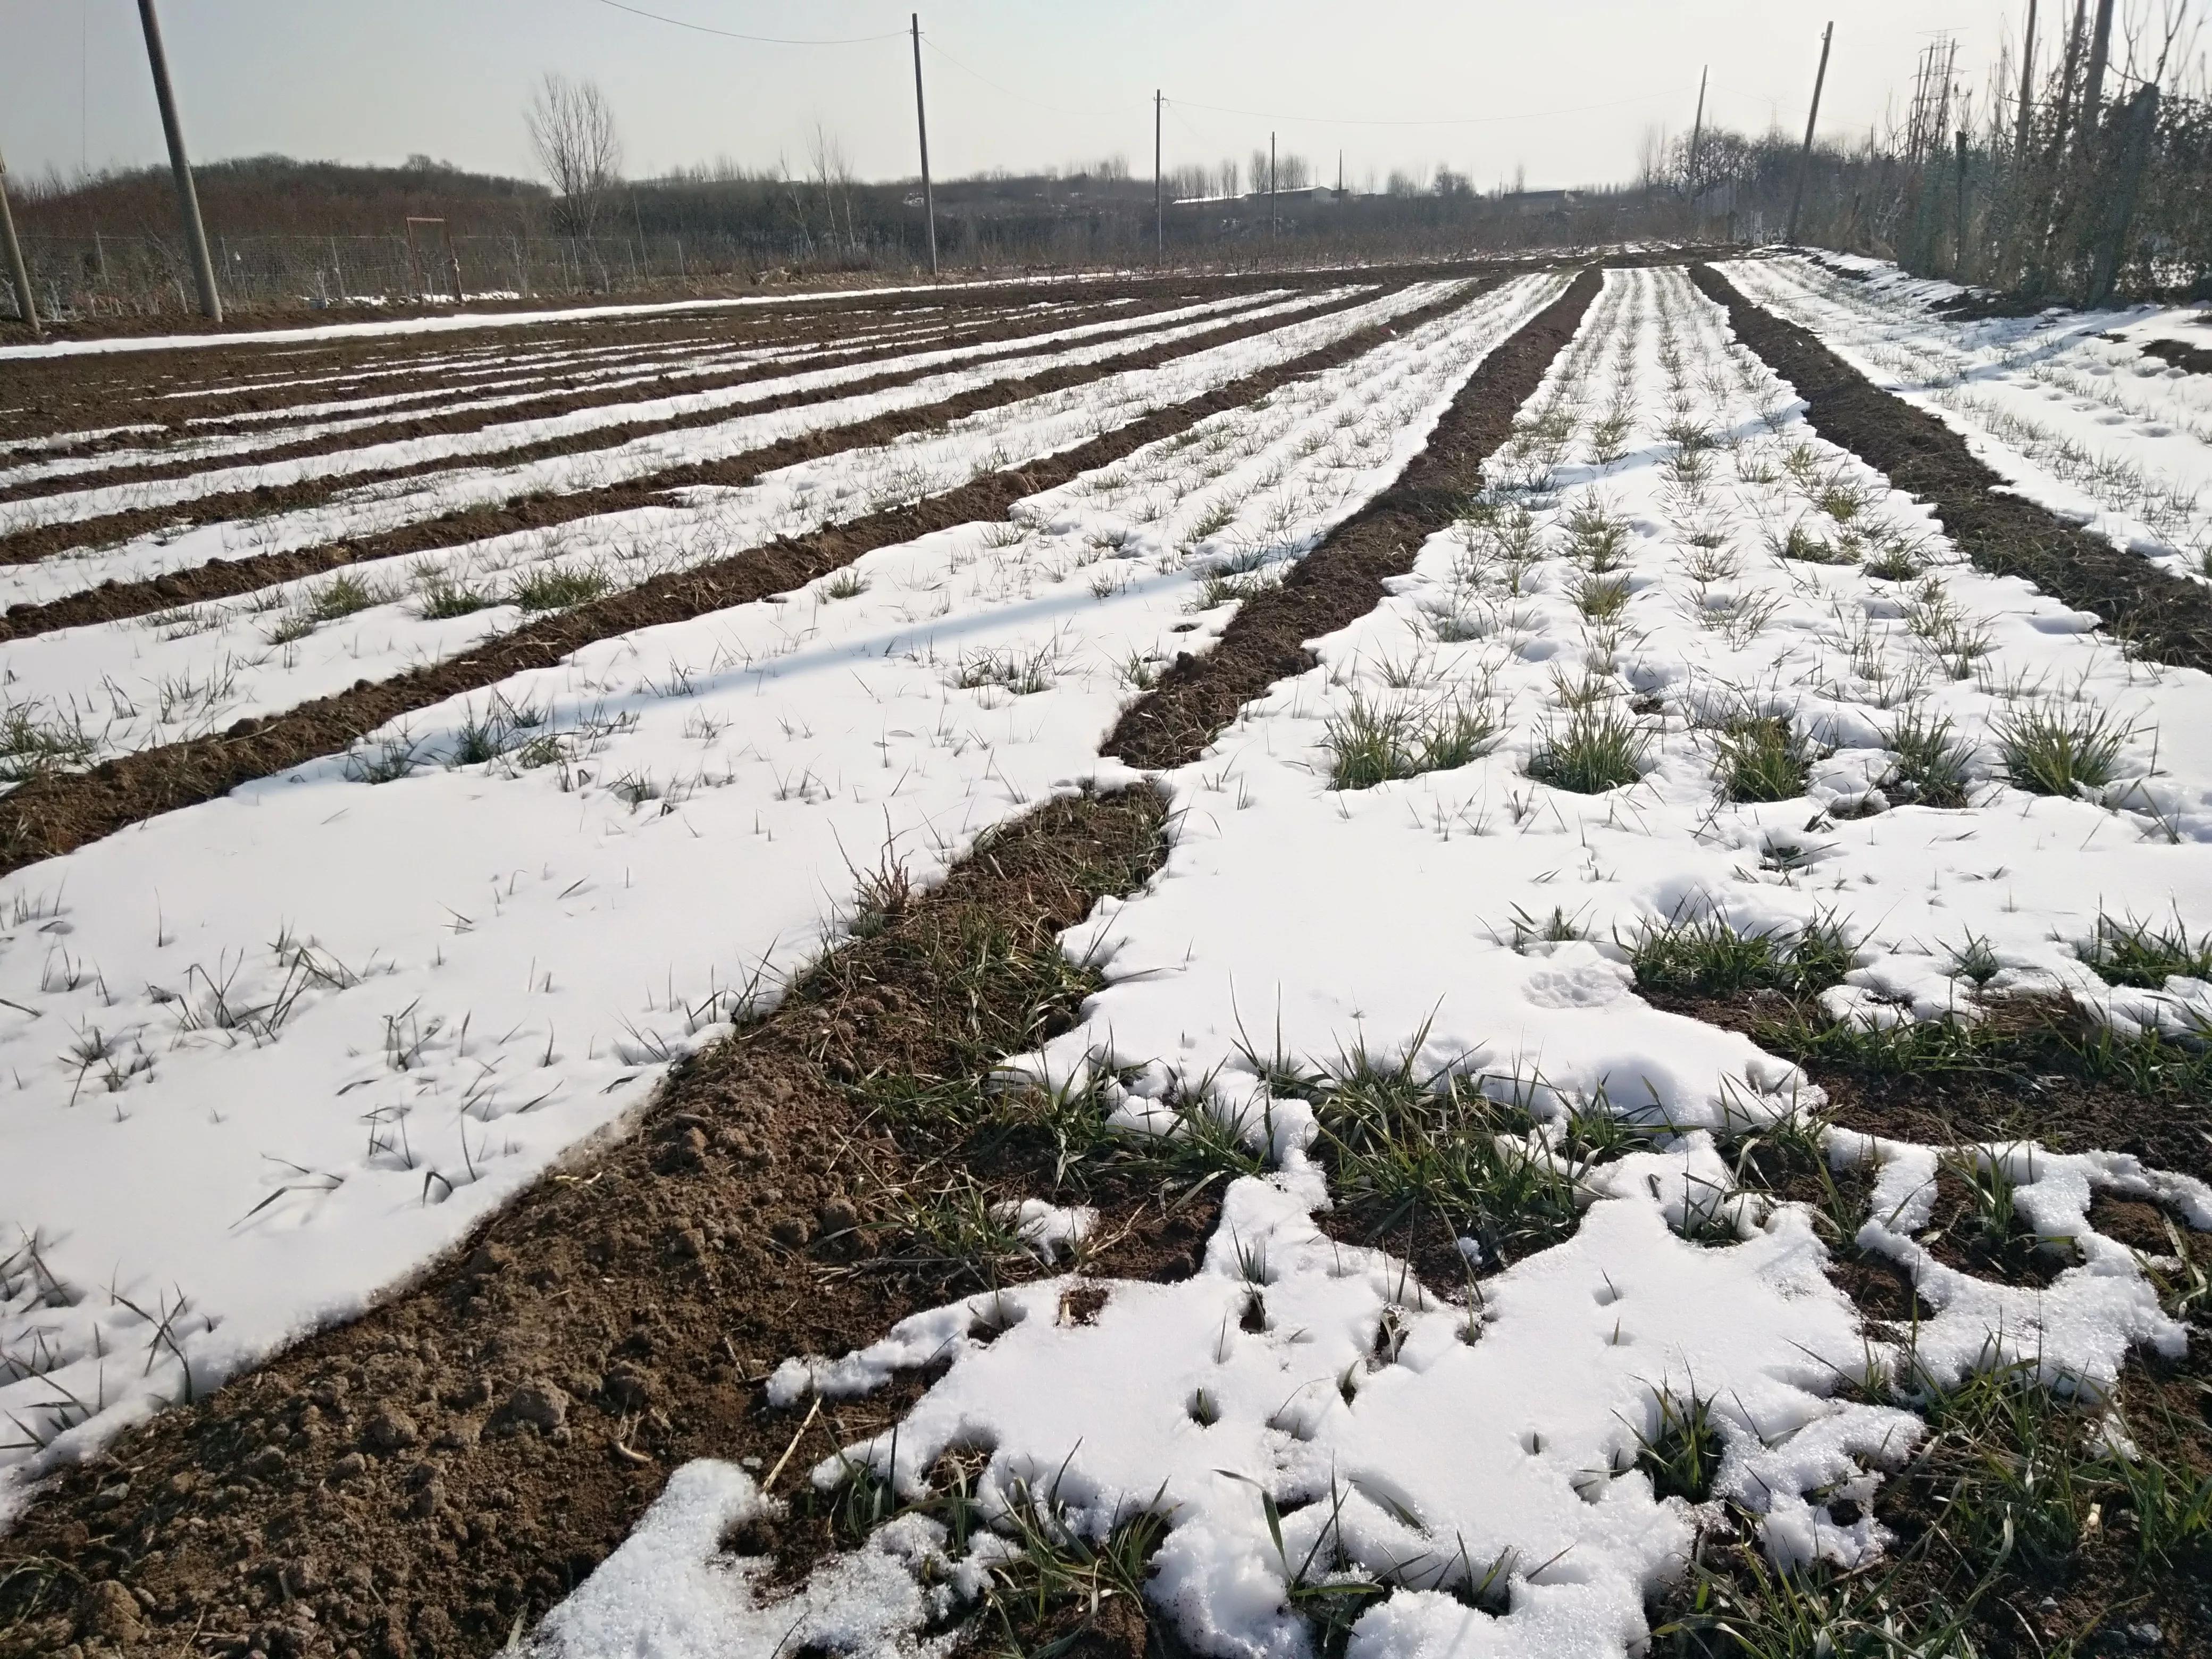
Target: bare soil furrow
47	817
76	392
454	1462
28	546
2162	618
555	401
1343	578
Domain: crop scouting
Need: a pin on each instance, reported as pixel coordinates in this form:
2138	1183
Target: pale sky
1564	87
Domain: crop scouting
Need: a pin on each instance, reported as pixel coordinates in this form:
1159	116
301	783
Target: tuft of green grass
1931	768
1370	745
2056	752
1707	956
1895	563
342	596
443	597
33	748
847	584
1601	598
392	759
1400	1150
1593	750
1764	759
2131	953
1803	545
1682	1452
1022	672
558	589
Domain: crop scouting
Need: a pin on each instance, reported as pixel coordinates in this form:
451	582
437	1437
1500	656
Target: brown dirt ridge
43	541
50	816
220	578
429	1479
1011	331
2161	617
1342	579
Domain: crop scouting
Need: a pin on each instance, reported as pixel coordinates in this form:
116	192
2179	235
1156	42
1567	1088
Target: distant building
1535	203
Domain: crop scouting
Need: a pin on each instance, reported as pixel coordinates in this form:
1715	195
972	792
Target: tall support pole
1159	211
921	124
18	273
2026	91
1805	156
1274	221
1697	134
188	199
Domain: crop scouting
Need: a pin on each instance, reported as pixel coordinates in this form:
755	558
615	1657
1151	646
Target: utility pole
188	199
18	273
2026	91
1697	133
1339	175
1805	159
1275	220
1159	213
921	123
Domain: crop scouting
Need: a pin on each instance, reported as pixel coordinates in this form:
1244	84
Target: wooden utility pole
1805	156
1274	221
1697	133
188	199
18	273
1159	211
2026	91
921	124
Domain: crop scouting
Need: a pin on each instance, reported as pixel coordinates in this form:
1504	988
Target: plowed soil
49	816
431	1477
1343	578
2161	617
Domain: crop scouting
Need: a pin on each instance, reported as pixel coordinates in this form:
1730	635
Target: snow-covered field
2093	427
1474	922
177	673
472	968
1682	666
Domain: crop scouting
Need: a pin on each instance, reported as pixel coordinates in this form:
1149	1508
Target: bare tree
572	132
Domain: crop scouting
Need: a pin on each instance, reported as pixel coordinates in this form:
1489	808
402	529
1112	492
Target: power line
758	40
1441	121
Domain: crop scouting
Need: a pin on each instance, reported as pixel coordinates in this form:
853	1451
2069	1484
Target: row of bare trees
2082	169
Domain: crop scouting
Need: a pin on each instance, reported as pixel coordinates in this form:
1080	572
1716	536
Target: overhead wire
1440	121
758	40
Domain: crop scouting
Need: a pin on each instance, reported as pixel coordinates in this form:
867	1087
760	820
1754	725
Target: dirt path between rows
407	425
220	578
44	541
435	1475
50	816
2160	619
51	395
1343	578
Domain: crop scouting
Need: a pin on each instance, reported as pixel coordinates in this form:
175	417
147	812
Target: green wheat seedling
2057	751
2125	952
1593	750
1933	764
559	589
1764	759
